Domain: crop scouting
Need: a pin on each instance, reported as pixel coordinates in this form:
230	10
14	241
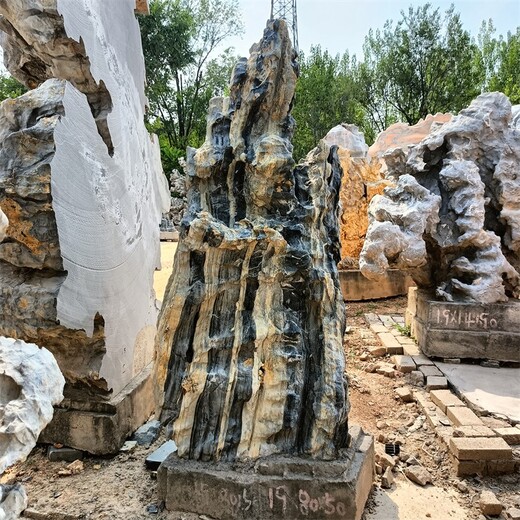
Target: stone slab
273	488
388	339
404	364
510	435
481	448
463	416
436	383
474	431
157	457
465	330
466	468
421	360
444	399
101	428
355	287
430	371
491	390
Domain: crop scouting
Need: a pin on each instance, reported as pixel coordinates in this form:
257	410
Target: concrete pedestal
464	330
355	287
98	427
274	487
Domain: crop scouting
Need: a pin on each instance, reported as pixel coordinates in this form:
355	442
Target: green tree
423	64
501	61
180	40
325	97
10	87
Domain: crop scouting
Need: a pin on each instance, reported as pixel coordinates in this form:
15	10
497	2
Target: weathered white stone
3	225
13	500
348	137
30	384
454	218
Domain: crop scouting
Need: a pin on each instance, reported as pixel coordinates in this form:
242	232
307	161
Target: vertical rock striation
454	217
250	341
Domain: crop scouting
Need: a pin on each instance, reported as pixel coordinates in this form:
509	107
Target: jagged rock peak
250	342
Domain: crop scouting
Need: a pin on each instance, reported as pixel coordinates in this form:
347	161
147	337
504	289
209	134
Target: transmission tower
286	10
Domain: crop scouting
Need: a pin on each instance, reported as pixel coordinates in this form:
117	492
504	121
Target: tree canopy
180	41
423	63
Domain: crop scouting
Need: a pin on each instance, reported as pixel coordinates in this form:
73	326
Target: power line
286	10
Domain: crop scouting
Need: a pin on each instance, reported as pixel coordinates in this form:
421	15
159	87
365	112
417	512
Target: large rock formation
250	341
82	186
453	219
399	137
362	180
30	384
366	174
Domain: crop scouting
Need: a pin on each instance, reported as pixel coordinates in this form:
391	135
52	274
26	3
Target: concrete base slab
465	330
100	428
491	390
355	287
274	487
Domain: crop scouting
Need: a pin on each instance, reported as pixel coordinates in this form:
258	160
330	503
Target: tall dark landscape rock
250	340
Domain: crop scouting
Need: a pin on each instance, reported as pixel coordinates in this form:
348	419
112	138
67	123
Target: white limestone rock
3	225
465	243
349	137
30	385
13	501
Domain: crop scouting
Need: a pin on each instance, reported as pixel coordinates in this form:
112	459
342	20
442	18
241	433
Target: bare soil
121	488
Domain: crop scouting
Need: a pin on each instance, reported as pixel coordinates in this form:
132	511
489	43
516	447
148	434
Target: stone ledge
273	488
101	428
355	287
480	448
464	330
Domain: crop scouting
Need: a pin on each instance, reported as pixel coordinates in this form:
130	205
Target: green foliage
425	63
405	330
500	58
325	97
180	38
10	87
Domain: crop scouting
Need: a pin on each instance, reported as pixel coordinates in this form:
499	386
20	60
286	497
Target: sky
339	25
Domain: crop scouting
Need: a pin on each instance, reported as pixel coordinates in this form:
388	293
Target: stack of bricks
387	330
474	447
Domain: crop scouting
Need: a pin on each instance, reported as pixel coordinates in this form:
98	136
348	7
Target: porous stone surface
178	200
453	219
30	384
13	501
249	349
362	180
399	137
82	187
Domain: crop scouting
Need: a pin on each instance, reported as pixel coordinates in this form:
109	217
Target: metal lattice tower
286	10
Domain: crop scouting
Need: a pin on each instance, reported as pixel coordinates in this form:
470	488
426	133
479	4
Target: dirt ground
121	488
